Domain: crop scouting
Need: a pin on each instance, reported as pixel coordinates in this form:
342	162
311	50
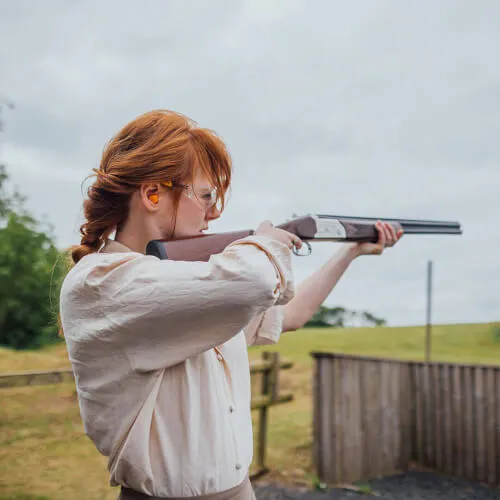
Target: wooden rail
22	379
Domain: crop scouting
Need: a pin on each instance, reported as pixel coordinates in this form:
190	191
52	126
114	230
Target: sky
379	109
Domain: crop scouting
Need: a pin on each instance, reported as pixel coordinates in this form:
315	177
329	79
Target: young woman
159	347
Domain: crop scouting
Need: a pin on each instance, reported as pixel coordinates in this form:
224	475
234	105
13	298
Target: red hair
158	146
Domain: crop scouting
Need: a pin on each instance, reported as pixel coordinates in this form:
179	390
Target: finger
382	237
391	234
294	240
378	247
265	224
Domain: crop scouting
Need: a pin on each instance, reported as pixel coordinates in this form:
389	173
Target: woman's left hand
387	238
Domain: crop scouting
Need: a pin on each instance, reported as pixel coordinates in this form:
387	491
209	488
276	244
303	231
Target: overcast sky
383	109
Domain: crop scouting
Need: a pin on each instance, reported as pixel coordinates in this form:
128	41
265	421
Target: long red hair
157	146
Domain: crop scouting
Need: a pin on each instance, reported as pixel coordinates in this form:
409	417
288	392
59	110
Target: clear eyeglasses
204	195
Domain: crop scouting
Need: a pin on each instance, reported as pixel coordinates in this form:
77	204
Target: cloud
384	109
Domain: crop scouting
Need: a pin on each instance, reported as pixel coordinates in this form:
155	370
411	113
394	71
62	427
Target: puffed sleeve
161	312
265	328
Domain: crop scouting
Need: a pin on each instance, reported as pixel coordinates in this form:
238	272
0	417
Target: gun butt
194	248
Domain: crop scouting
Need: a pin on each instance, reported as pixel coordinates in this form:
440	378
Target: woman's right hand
289	239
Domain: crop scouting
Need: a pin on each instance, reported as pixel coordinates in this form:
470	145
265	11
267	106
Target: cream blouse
171	412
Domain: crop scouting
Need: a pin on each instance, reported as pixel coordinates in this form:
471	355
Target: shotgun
309	228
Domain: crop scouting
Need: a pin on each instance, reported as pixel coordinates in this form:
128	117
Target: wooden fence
269	394
23	379
374	417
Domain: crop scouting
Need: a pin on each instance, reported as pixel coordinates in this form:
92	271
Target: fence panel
362	421
372	417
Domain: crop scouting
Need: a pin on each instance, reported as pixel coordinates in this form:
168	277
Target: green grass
22	496
469	343
52	357
44	453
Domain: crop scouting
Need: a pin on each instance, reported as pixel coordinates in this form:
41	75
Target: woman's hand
388	237
289	239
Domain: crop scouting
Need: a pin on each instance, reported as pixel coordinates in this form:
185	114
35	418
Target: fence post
269	387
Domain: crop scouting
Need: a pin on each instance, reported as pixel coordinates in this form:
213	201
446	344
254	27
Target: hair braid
104	212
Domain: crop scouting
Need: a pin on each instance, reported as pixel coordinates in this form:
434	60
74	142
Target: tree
31	270
340	317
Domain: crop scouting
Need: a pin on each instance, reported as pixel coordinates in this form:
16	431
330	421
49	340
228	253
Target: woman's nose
213	213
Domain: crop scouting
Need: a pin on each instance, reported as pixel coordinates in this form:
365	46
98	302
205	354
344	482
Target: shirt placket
228	388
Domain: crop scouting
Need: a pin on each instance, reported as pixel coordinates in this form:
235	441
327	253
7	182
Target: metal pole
429	298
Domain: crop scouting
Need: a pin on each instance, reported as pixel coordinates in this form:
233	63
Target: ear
150	195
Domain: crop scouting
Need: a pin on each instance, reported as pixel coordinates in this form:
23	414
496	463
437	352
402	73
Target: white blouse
170	412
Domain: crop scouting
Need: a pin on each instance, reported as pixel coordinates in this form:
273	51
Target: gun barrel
405	223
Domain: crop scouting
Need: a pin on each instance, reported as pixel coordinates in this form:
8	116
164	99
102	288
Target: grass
54	357
44	453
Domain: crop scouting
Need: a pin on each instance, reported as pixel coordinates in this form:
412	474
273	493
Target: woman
159	347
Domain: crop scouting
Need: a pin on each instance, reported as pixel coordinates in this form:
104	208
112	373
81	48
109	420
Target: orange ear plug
154	198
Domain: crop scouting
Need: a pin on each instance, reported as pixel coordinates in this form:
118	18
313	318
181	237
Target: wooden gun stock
310	228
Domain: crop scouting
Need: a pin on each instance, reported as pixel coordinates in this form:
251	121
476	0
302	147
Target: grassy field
44	453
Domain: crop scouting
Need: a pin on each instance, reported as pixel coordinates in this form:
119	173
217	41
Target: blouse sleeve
265	328
162	312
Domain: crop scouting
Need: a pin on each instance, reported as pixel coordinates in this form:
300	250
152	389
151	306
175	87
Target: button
231	408
238	466
219	357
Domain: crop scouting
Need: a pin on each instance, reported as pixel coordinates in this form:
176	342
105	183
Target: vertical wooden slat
355	422
323	418
491	441
448	428
429	420
397	423
336	421
362	419
326	395
346	438
372	419
346	416
437	405
385	415
469	422
419	410
316	421
405	404
339	421
393	417
426	427
458	421
389	418
480	425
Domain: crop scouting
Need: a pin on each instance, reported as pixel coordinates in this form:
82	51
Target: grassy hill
45	454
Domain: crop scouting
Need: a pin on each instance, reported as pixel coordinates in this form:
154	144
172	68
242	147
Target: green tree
339	317
327	317
31	270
